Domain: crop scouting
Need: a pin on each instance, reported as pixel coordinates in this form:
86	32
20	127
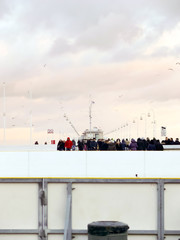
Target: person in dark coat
151	146
104	146
118	145
123	144
133	145
99	143
93	145
80	145
140	144
111	145
177	141
88	147
167	141
146	142
60	145
159	146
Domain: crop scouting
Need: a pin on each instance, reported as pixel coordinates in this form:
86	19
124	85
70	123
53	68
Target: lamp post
30	117
4	111
128	130
136	121
153	122
145	124
124	132
121	132
145	119
90	116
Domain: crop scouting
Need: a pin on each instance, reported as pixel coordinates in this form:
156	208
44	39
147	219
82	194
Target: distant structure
93	133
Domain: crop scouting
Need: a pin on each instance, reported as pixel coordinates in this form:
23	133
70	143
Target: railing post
161	209
68	219
43	210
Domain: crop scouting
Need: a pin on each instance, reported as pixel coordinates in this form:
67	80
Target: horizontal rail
19	231
89	180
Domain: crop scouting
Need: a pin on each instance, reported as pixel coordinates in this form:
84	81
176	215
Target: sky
57	56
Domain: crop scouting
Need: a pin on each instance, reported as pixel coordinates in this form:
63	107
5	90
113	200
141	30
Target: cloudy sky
56	56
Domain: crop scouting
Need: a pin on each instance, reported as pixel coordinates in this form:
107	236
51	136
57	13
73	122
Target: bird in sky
178	63
171	69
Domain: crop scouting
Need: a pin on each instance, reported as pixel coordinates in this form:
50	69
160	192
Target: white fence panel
57	194
18	206
135	204
172	206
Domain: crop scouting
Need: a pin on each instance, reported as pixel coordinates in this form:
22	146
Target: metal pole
68	219
129	131
160	210
4	111
154	122
90	117
30	116
137	129
145	124
154	125
145	127
137	126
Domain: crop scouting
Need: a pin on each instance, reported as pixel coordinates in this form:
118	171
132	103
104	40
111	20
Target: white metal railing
37	209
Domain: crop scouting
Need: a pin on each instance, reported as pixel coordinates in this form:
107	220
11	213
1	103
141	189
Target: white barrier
126	164
171	147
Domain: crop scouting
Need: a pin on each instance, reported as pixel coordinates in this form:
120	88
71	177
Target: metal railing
43	231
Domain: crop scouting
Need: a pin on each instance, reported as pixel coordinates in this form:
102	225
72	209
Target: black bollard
105	230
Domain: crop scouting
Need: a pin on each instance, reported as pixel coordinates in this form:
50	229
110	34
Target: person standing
118	145
93	145
111	145
68	144
80	145
151	146
60	145
159	146
133	146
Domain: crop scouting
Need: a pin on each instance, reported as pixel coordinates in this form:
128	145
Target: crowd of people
115	145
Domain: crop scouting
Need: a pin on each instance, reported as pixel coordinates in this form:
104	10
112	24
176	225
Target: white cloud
67	50
168	41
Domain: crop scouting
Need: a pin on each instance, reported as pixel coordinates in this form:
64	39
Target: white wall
126	164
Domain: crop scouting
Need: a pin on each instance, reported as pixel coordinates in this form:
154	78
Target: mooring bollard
105	230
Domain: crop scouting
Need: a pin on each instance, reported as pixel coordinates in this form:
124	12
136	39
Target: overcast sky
57	56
